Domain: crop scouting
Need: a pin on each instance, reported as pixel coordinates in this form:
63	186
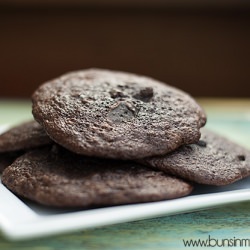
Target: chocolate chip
241	157
145	94
201	143
120	112
116	93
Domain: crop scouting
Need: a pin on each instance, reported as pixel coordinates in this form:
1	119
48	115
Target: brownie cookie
56	177
213	160
25	136
116	115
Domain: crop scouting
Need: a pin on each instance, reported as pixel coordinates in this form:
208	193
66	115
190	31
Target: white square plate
20	219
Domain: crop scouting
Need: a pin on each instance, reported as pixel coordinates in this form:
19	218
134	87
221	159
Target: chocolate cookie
57	177
213	160
116	115
25	136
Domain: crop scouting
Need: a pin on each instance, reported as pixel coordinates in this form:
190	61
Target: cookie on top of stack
108	138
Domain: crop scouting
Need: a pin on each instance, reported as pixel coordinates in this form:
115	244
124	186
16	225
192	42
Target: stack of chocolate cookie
106	138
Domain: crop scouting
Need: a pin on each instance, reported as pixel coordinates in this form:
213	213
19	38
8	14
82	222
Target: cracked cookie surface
116	115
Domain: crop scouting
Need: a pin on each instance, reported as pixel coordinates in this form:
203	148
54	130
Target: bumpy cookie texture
7	159
116	115
213	160
56	177
24	136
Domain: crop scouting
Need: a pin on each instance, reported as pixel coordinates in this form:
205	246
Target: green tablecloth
231	222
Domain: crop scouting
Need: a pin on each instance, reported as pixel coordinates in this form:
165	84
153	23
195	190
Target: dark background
202	48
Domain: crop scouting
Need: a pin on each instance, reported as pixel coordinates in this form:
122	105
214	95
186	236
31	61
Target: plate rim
40	225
